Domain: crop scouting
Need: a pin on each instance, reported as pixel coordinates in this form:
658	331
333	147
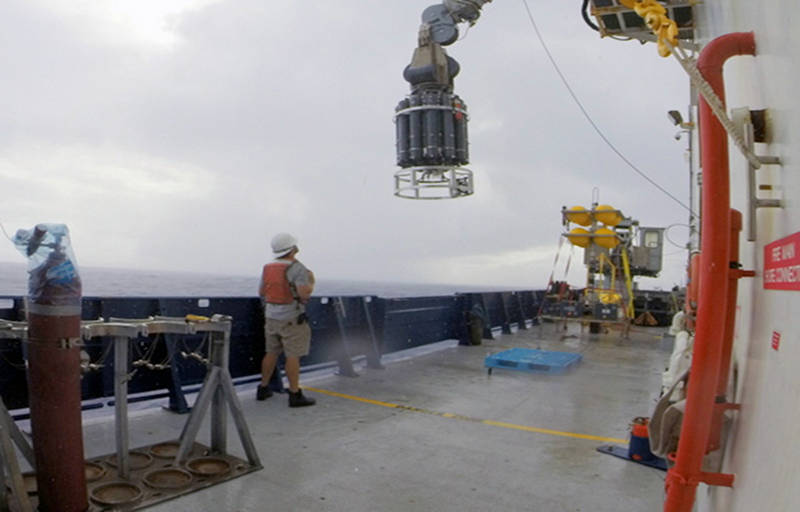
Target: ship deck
435	431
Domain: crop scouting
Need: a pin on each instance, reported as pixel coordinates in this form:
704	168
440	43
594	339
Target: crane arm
430	66
442	20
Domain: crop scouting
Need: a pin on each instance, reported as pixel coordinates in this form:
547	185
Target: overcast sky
182	134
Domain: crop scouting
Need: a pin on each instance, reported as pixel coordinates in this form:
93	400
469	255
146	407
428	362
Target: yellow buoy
604	237
579	215
608	215
579	237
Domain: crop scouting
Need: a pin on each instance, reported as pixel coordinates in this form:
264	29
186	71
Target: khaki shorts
288	337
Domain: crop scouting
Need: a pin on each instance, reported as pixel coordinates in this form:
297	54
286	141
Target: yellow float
604	237
579	215
579	237
608	215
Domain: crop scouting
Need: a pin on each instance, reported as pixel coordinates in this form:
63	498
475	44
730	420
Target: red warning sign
782	264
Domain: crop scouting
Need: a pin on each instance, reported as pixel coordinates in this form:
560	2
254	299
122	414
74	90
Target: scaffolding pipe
683	478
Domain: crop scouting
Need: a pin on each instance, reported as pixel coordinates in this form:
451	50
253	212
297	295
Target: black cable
3	228
586	18
668	239
589	118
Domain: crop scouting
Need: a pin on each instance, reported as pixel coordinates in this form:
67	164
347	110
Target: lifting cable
569	260
589	118
552	273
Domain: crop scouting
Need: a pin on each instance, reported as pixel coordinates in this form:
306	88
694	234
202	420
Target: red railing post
683	478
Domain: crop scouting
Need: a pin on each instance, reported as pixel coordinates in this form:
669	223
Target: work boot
263	392
298	400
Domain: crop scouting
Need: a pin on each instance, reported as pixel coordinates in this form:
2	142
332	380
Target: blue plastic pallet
532	360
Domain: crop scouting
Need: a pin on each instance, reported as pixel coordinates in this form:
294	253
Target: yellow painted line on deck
450	415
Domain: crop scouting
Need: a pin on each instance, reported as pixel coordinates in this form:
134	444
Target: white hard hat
282	243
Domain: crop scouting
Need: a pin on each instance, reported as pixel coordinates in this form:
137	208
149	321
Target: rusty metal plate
208	466
167	478
161	481
117	493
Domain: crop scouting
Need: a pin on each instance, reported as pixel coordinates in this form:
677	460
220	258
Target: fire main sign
782	264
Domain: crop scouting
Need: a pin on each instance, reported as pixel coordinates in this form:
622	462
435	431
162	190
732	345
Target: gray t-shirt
298	275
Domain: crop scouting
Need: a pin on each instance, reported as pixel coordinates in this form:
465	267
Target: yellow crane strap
655	16
628	284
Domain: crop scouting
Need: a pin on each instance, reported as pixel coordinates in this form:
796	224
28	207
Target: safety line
491	423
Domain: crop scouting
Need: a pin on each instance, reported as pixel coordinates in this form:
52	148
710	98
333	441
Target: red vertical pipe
55	403
683	478
730	312
730	325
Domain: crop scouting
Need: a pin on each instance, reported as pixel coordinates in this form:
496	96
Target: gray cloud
262	117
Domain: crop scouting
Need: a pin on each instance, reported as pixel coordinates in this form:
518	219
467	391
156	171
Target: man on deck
286	286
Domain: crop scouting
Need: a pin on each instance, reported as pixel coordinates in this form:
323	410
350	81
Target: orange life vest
275	287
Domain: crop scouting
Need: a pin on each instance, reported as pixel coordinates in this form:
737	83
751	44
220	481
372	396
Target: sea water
111	282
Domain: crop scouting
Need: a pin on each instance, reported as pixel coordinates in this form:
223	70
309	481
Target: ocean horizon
116	282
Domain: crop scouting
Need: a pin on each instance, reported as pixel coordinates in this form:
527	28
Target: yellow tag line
492	423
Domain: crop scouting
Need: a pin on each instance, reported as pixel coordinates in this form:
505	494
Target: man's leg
296	397
267	367
296	345
273	349
293	373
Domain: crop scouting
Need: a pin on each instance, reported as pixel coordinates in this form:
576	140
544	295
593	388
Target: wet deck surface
436	432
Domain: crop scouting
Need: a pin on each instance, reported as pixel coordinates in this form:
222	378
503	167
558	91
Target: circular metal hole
116	493
166	450
94	471
136	460
167	478
208	466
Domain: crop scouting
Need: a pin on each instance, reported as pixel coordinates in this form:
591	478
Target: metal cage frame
433	182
